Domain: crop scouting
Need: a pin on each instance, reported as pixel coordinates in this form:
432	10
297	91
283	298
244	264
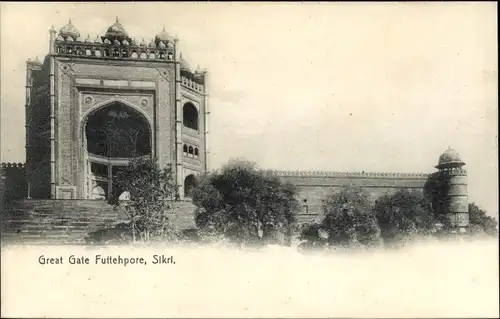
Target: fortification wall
314	186
69	221
13	181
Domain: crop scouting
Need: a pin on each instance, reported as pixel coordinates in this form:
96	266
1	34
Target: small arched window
185	150
152	55
116	53
144	56
196	152
191	151
97	52
88	52
190	116
134	55
124	53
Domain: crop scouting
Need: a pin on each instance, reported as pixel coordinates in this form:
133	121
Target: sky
380	87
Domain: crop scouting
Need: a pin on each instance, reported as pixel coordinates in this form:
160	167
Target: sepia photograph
249	159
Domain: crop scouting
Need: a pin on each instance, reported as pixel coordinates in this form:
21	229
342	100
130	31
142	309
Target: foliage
349	221
243	204
403	215
435	190
480	222
118	234
151	191
313	236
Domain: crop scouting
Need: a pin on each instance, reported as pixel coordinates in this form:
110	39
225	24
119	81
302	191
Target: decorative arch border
103	104
84	116
196	104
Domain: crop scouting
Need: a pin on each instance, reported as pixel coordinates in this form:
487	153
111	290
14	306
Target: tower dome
116	30
450	157
184	64
69	30
163	36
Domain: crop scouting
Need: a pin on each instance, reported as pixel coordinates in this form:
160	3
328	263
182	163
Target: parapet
306	174
8	165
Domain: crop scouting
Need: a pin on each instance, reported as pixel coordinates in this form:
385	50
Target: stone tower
453	181
94	104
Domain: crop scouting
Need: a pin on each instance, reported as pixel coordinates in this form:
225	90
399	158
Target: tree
349	221
313	235
403	215
151	191
244	204
480	222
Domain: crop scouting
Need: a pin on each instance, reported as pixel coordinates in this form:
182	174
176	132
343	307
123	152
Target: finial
180	55
117	20
69	21
164	29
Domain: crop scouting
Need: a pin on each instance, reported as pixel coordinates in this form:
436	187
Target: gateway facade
94	104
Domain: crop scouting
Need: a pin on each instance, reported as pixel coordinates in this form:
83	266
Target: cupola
69	30
450	158
116	30
163	36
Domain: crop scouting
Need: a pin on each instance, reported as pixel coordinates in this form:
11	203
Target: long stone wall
314	186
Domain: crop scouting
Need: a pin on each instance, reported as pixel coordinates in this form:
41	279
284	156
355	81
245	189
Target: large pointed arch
113	133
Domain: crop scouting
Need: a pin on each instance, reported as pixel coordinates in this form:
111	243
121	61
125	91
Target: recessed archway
113	135
189	185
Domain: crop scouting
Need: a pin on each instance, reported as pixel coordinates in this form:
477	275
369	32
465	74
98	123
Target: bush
118	234
481	223
313	236
151	191
244	205
403	216
349	221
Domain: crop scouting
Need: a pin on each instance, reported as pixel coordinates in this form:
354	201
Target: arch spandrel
146	110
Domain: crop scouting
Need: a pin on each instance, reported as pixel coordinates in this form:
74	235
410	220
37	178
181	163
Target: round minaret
454	200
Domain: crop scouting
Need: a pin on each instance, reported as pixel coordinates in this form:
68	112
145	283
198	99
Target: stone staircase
59	222
56	221
184	216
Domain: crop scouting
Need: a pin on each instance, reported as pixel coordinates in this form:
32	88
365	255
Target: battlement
192	84
8	165
12	181
327	174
